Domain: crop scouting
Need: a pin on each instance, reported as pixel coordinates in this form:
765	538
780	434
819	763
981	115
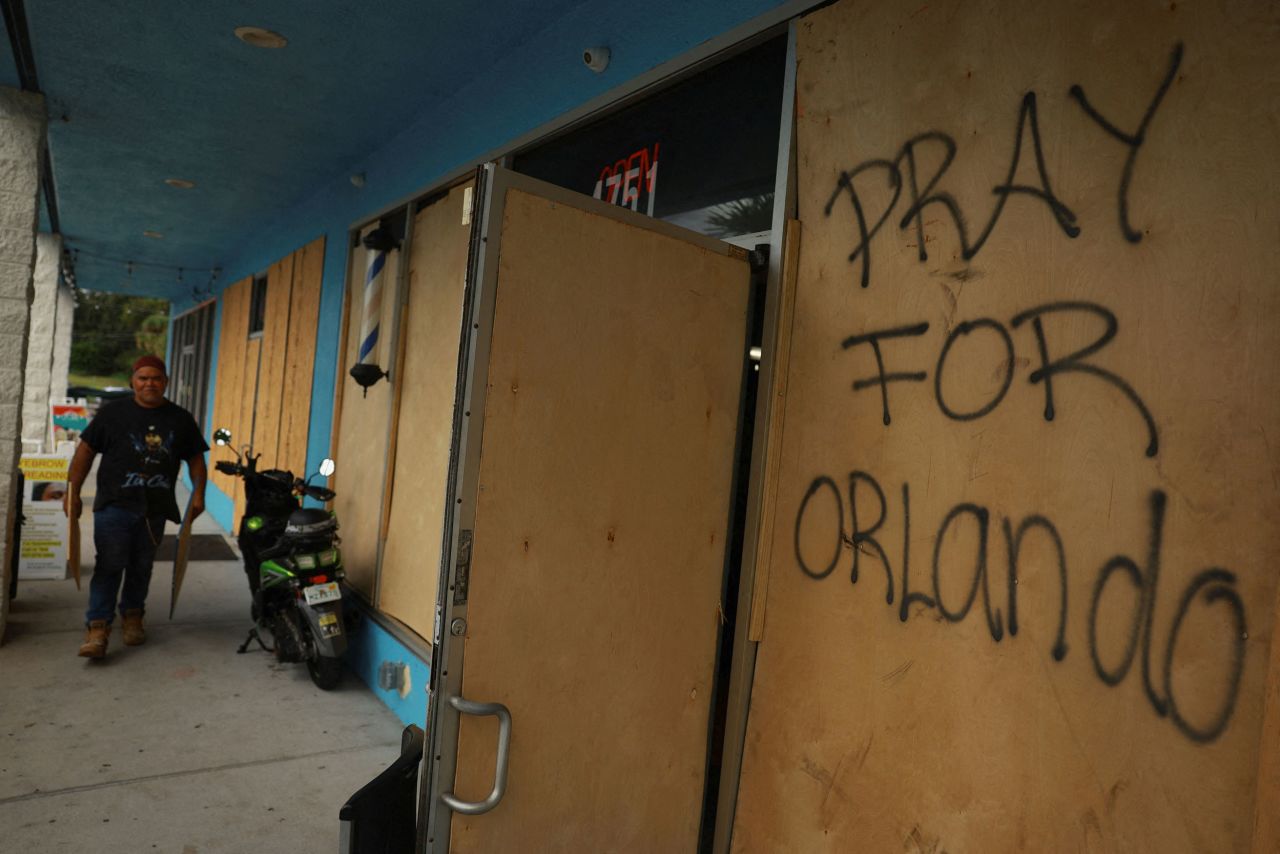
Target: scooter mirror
327	467
222	436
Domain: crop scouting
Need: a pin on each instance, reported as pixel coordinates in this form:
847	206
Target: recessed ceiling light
180	183
154	235
258	37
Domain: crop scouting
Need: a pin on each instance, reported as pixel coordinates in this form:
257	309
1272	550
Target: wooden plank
73	549
180	557
248	428
602	509
362	441
397	396
230	378
777	387
246	381
341	377
275	344
1266	809
415	520
222	387
304	315
1125	713
230	366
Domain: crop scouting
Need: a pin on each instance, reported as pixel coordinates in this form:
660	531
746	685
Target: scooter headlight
305	561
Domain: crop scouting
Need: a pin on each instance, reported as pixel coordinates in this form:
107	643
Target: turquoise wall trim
216	502
220	507
213	373
370	645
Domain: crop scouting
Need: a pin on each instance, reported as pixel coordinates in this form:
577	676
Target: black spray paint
1211	587
1134	140
902	172
1050	367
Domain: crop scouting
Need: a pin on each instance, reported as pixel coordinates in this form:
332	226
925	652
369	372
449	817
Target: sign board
44	529
70	418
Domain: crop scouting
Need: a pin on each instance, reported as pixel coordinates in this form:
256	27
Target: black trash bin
381	817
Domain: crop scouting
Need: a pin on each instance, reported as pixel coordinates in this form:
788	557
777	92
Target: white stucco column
40	341
22	128
62	326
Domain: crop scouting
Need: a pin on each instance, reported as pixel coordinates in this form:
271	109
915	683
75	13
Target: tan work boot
134	634
95	639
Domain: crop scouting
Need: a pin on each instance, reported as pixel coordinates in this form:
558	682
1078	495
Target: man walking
143	440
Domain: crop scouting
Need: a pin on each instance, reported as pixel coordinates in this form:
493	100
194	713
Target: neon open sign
628	181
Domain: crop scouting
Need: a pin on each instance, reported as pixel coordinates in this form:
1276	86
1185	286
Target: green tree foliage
112	330
743	216
153	335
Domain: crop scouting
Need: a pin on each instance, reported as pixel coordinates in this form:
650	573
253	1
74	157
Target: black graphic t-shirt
142	450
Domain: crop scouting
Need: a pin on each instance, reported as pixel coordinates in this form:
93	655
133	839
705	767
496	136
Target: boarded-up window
424	424
263	392
1021	589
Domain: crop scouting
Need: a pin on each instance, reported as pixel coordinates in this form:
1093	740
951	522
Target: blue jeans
126	543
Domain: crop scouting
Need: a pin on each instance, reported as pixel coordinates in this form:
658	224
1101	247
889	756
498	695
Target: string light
71	258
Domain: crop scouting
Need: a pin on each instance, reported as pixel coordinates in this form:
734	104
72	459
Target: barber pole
367	371
372	303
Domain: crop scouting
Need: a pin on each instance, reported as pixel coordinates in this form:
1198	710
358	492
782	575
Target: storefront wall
1030	356
501	107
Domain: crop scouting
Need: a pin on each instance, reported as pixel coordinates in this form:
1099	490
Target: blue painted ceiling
143	90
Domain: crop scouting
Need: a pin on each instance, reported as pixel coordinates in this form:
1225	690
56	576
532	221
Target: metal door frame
435	816
743	653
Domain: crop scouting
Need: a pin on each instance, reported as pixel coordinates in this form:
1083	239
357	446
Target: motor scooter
293	565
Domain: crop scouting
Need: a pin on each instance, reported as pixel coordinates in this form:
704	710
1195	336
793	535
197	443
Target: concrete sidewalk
179	745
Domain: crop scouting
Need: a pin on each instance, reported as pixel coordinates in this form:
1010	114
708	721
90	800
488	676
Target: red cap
150	362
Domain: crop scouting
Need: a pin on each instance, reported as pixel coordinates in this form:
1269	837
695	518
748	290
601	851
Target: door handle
470	707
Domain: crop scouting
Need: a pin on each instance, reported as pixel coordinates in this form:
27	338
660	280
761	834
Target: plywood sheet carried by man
1021	589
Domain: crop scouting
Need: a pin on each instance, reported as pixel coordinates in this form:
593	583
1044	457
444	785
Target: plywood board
601	518
362	439
1266	810
415	528
226	397
180	558
247	432
1074	206
341	376
776	386
275	345
230	378
397	394
304	315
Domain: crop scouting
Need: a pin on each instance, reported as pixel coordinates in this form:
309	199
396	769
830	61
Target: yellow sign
43	552
44	466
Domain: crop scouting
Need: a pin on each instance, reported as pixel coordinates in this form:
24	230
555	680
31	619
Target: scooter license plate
318	594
